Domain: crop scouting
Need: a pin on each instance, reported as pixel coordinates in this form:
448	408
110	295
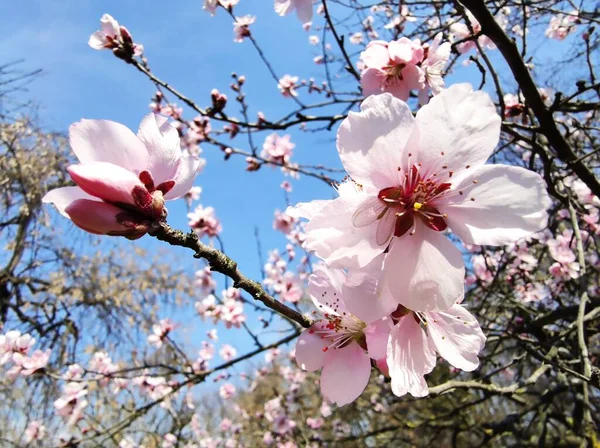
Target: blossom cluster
15	348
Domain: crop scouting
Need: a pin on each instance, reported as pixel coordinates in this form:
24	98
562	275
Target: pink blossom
277	149
303	9
341	344
37	361
232	313
169	441
434	64
392	67
241	27
561	25
284	222
561	247
204	280
286	186
35	431
71	404
192	195
212	334
315	423
227	391
287	85
460	32
410	183
356	38
160	331
210	6
227	352
204	222
411	351
112	36
123	179
74	372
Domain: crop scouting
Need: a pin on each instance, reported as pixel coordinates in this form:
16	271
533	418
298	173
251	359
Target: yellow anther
417	206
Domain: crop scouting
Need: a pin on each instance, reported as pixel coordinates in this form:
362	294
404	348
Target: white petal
184	177
366	295
457	337
345	374
65	196
325	289
377	335
460	123
425	271
510	203
309	350
162	142
410	356
107	141
371	143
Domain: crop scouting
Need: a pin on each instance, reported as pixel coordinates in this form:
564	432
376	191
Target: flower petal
306	210
371	143
345	374
325	289
457	337
509	203
63	197
333	237
425	271
95	217
461	124
366	295
410	356
304	10
162	143
377	335
184	177
309	350
107	141
106	181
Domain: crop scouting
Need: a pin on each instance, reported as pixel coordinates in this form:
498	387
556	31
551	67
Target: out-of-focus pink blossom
561	25
204	222
123	180
284	222
204	280
160	331
241	27
227	391
303	9
227	352
435	60
35	431
461	32
315	423
278	149
71	404
192	195
287	85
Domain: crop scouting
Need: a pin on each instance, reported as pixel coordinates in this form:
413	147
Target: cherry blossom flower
287	85
415	338
211	6
284	222
123	180
227	391
278	149
303	9
31	364
341	344
561	25
192	195
227	352
356	38
35	431
212	334
160	332
392	67
461	31
204	280
112	36
71	404
409	184
204	222
241	27
435	60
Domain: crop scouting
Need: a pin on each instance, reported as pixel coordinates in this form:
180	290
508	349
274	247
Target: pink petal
377	335
365	295
95	217
376	55
309	350
162	143
105	181
410	356
401	51
510	203
284	7
345	374
184	177
63	197
425	271
372	81
107	141
372	142
325	289
461	124
304	10
97	40
457	337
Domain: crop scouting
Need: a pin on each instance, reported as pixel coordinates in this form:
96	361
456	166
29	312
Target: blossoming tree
462	221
